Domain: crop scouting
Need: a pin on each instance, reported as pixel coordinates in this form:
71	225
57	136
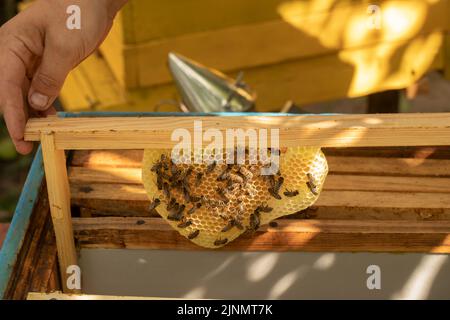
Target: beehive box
375	199
288	50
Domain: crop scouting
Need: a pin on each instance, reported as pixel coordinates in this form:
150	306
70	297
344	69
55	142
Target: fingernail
39	100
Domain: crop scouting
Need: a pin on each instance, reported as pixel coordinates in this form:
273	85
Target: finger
49	78
11	97
15	119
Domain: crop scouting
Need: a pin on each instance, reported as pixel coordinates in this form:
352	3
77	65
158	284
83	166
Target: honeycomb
226	209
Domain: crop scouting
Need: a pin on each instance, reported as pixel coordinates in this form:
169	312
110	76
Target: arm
37	51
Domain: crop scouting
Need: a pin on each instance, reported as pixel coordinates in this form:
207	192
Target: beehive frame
153	130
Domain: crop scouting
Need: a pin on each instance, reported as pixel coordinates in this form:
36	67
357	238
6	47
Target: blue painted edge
182	114
21	219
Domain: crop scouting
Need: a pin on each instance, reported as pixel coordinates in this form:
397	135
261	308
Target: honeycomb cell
295	165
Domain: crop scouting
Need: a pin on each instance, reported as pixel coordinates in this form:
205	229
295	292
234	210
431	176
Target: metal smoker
204	89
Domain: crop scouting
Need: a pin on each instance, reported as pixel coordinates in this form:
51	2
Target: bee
193	234
276	188
229	226
164	161
238	224
154	204
263	208
241	209
185	176
156	167
254	222
173	211
159	182
278	184
195	198
210	168
194	207
171	204
311	185
198	178
274	194
273	224
219	242
166	190
184	224
270	180
187	196
248	175
177	213
289	193
312	188
236	178
225	174
223	194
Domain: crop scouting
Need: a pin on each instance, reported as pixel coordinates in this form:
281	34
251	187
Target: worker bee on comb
263	208
171	204
254	222
224	175
246	173
194	208
156	166
193	234
223	194
210	168
274	191
176	213
311	185
154	204
220	242
184	224
289	193
166	190
198	178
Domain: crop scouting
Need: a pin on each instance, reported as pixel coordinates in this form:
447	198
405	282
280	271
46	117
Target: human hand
37	51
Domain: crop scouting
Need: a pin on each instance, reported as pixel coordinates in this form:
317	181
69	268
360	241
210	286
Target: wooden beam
288	235
359	181
317	130
391	197
59	199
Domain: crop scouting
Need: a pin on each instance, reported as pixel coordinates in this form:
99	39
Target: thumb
48	79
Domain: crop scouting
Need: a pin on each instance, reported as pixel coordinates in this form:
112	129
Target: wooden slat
59	198
133	158
81	175
289	235
36	262
104	175
325	131
107	158
389	166
346	198
401	185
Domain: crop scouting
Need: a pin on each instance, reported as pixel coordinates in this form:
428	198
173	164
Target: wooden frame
133	131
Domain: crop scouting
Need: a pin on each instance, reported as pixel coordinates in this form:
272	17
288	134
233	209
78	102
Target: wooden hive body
375	199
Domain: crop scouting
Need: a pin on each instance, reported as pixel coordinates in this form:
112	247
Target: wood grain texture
321	130
334	181
289	235
330	197
36	265
59	199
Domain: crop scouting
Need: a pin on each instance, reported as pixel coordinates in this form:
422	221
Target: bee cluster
180	187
